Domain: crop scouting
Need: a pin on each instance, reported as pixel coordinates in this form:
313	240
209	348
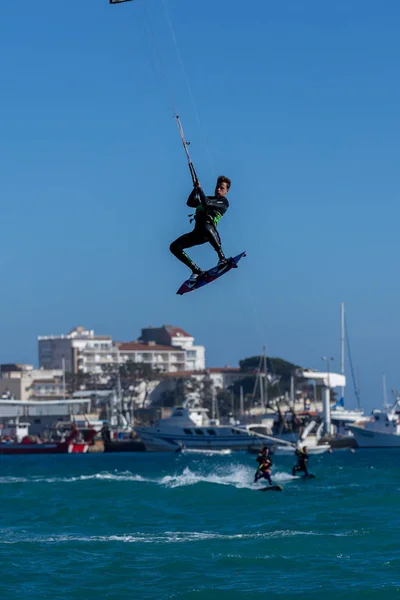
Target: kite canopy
119	1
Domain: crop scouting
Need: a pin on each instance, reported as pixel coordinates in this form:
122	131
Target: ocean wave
126	476
236	475
164	538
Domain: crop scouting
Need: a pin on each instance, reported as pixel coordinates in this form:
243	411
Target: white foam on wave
225	452
238	476
282	476
125	476
163	538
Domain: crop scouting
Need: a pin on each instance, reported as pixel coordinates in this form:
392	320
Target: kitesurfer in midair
209	210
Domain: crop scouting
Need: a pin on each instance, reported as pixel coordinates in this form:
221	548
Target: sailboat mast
384	391
342	344
265	377
241	401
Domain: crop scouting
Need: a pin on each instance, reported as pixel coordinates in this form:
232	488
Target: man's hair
223	179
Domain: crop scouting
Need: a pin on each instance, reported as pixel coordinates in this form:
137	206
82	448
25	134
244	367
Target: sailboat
340	414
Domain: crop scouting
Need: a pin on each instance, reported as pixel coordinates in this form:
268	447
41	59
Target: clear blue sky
298	104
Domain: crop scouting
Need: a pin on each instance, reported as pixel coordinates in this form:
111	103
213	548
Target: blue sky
297	102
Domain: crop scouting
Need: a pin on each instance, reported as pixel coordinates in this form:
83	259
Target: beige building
23	382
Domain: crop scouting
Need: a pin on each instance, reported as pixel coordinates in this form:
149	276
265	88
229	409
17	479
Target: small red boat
67	446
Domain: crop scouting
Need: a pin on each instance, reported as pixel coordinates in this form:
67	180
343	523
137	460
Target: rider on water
209	210
265	464
302	461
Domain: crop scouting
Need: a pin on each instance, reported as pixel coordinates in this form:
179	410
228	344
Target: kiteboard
271	488
210	275
309	476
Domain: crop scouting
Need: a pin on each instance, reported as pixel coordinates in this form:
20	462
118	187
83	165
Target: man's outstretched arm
219	203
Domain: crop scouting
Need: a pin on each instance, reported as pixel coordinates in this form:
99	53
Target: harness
212	220
265	466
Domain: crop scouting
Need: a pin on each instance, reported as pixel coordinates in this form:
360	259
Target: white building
176	337
165	348
79	350
160	358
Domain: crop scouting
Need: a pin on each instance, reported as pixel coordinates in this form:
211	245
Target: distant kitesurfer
265	464
209	210
302	461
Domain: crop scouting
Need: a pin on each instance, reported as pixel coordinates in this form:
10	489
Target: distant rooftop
176	331
78	333
166	335
145	347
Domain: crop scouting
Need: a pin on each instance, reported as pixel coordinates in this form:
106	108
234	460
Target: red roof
176	331
141	347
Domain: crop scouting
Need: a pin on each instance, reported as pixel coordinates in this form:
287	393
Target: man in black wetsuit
209	210
265	464
302	461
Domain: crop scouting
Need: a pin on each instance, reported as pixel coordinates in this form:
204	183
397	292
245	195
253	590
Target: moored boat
70	445
381	430
190	427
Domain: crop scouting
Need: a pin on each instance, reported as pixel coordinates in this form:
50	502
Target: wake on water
124	476
238	476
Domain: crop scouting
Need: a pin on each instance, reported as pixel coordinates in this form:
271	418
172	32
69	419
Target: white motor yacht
382	430
190	428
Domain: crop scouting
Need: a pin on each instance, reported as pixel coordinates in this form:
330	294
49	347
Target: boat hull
288	451
174	443
124	446
374	439
49	448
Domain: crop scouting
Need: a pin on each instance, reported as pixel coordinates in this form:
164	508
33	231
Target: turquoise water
193	527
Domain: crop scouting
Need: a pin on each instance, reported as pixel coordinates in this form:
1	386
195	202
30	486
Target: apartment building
166	349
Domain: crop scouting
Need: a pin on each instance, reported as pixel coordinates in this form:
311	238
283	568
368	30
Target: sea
195	527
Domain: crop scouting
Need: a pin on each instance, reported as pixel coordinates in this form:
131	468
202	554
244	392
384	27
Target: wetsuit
302	461
262	455
264	470
209	210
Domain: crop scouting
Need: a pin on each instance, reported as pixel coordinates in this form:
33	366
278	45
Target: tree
75	382
279	373
134	379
